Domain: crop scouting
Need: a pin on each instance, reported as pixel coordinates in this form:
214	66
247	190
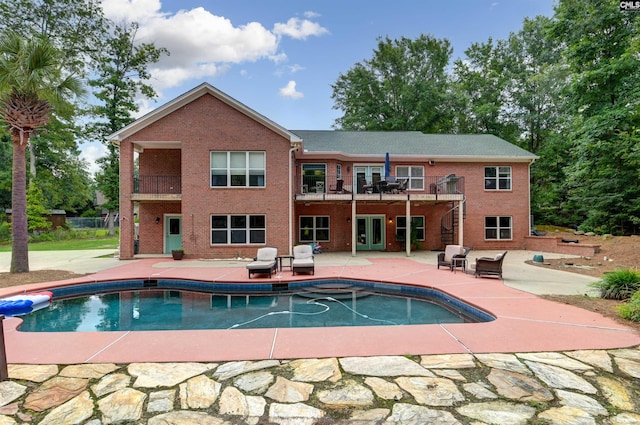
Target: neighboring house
222	180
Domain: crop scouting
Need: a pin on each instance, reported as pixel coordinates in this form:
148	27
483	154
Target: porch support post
353	228
407	236
127	226
460	223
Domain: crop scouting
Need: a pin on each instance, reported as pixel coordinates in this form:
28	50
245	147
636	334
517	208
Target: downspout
291	151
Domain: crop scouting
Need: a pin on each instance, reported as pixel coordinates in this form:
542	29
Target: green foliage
631	310
618	285
5	231
402	87
36	210
122	76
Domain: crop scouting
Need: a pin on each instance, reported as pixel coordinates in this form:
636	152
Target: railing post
4	373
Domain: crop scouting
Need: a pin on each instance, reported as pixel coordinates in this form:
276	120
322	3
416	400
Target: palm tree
32	85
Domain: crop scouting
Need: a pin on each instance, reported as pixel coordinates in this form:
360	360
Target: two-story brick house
221	180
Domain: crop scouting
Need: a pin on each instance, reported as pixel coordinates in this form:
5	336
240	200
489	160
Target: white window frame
313	230
502	178
228	230
423	227
415	174
248	170
319	182
500	228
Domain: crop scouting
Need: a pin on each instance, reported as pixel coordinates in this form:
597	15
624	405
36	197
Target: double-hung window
238	169
238	229
415	174
314	229
416	229
497	228
497	178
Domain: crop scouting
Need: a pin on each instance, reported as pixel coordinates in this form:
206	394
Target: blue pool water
184	305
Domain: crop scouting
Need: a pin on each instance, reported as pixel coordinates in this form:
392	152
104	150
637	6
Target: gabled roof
190	96
411	144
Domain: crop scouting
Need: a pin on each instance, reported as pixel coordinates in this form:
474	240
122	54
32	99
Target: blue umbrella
387	166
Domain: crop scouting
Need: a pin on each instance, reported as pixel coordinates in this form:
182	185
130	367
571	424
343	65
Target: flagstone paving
568	388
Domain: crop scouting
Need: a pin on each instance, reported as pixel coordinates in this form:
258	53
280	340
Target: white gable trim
190	96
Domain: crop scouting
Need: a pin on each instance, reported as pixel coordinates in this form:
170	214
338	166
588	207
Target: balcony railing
330	184
157	185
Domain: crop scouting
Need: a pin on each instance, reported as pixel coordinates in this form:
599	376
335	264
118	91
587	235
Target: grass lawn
70	245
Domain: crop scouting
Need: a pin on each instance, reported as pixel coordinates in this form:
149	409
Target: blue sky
280	57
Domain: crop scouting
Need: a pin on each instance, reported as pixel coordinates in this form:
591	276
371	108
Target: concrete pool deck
524	322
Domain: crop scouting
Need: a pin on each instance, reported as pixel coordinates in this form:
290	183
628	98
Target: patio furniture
487	266
303	259
453	256
264	263
338	188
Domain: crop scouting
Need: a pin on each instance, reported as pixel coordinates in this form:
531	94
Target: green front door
370	232
172	233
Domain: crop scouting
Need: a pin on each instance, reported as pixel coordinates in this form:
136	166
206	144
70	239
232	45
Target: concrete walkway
517	274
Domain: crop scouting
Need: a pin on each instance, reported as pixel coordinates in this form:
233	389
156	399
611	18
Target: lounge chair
453	256
487	266
303	259
264	263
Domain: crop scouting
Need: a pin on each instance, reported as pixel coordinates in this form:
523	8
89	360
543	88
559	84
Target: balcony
157	188
326	187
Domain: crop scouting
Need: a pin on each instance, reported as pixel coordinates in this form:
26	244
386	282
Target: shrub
631	310
618	285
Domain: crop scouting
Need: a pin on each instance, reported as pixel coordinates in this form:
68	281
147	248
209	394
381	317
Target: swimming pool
141	305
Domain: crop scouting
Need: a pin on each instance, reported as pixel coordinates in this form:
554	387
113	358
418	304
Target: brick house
222	180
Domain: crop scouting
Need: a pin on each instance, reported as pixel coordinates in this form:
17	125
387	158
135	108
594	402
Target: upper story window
497	178
415	174
314	178
238	169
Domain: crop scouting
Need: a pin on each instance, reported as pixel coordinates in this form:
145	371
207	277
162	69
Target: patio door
370	232
172	232
366	174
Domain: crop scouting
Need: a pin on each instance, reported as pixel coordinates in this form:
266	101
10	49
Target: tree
32	83
402	87
36	210
604	93
77	29
122	76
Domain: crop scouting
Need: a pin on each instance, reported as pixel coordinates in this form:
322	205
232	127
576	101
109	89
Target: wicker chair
453	256
486	266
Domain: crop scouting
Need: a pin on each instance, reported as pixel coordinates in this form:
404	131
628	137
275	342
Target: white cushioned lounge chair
264	263
303	259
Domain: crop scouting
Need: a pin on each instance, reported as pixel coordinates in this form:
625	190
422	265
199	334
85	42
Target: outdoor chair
487	266
338	188
264	263
453	256
303	259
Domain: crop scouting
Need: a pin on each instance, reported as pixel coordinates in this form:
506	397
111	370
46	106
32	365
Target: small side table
459	262
285	257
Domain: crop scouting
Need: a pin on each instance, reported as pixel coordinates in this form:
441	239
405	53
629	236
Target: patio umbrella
387	166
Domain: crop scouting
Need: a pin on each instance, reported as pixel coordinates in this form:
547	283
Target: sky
280	57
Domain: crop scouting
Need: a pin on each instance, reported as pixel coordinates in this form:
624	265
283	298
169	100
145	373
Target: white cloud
299	29
90	153
290	91
203	45
295	68
311	14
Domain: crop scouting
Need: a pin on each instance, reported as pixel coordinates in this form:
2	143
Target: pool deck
524	322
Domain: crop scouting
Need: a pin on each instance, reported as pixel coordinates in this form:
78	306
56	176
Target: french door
370	232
